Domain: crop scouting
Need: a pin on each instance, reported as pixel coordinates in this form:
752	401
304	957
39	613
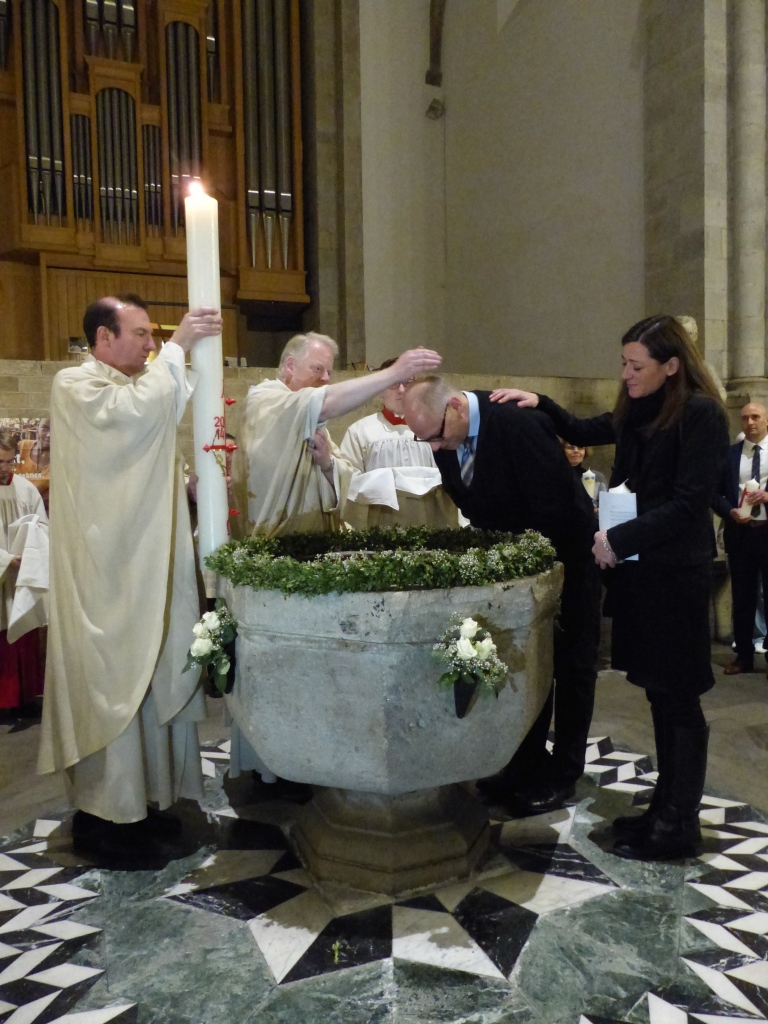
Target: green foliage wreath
416	558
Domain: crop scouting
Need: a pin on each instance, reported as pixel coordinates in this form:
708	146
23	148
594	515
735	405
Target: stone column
748	208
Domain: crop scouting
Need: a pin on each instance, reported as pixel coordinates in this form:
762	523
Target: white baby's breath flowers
468	628
200	647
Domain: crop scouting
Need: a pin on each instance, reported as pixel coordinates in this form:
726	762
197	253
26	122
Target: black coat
675	474
660	603
521	480
727	498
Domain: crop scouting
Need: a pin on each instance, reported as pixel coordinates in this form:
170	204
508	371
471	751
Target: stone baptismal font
337	686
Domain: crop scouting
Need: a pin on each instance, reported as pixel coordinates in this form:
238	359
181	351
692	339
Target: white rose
201	647
465	648
211	620
485	648
468	628
199	629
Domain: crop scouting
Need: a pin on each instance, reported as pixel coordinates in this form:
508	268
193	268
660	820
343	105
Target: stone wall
25	388
686	198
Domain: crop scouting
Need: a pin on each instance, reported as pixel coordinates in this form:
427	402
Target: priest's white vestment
396	481
277	485
119	711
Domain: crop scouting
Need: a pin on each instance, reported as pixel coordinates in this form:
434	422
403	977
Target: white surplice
18	499
396	481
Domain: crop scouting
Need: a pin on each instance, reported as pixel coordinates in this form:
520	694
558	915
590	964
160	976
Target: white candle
202	216
588	479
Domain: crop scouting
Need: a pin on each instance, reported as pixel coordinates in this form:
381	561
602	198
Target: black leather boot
637	824
675	832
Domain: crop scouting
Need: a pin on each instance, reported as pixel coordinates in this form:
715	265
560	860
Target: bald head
754	422
436	412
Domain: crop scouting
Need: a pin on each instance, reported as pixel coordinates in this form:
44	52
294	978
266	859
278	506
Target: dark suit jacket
727	497
522	480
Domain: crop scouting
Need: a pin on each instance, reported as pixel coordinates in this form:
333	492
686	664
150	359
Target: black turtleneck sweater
674	472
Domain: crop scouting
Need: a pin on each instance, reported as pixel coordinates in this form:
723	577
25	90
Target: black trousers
572	696
748	562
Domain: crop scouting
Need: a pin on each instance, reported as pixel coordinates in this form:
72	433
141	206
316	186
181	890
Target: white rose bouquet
214	647
470	653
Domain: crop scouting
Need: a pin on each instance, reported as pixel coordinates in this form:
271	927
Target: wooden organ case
108	110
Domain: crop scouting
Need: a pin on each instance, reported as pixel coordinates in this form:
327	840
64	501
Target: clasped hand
604	558
320	449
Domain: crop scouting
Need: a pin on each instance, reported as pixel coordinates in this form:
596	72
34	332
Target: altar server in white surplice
119	713
396	481
23	582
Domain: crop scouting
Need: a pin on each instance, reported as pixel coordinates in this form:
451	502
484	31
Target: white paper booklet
617	506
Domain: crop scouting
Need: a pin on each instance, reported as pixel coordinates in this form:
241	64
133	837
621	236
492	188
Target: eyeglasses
437	437
400	384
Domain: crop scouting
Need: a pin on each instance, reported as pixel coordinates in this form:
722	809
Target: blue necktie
467	461
756	476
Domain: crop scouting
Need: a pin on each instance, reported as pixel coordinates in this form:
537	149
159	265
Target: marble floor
552	929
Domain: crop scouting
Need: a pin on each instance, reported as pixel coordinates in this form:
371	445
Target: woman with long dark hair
671	436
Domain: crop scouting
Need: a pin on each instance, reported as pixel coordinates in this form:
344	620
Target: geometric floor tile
480	927
38	983
537	877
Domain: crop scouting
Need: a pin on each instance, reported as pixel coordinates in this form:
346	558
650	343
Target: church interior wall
543	184
25	387
403	183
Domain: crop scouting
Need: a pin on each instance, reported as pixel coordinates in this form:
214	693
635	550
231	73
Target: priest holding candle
119	713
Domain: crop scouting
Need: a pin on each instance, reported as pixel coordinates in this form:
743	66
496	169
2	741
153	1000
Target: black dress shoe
738	667
498	786
161	823
549	798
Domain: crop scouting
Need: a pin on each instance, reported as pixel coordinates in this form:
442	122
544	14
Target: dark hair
9	441
387	363
104	313
665	338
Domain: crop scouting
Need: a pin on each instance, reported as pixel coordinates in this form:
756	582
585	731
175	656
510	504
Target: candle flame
196	189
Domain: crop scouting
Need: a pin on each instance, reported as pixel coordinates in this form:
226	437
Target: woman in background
576	454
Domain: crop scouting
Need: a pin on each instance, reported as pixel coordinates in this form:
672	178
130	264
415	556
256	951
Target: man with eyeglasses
506	471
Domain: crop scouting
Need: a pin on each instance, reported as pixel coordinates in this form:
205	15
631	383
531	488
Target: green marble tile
183	964
100	996
600	956
429	995
124	886
361	995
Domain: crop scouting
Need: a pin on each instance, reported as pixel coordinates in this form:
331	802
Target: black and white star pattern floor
549	908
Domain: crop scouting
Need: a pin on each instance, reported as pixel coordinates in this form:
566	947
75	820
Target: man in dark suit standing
746	529
505	469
